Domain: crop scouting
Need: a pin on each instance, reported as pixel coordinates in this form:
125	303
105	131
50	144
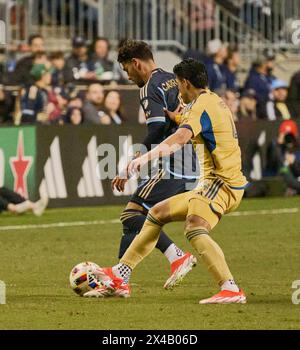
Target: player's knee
159	213
193	221
129	214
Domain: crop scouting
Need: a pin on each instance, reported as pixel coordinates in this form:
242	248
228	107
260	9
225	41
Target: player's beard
140	83
185	98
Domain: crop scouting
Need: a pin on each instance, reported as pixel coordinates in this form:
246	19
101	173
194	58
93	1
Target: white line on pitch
265	212
117	221
60	224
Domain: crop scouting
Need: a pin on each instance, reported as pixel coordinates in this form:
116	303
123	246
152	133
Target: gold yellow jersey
215	139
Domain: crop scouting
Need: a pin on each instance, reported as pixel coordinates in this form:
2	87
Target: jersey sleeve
191	120
153	104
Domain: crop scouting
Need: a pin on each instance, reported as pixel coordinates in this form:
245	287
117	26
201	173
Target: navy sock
133	222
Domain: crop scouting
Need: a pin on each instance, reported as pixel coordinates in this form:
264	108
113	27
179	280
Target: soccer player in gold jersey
208	123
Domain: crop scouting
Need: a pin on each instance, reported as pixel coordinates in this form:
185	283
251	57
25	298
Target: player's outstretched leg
133	219
197	232
117	278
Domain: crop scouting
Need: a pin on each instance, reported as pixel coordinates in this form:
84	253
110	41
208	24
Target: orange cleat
226	297
179	269
98	292
113	285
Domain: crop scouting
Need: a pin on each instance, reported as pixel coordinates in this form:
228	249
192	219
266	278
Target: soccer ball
82	278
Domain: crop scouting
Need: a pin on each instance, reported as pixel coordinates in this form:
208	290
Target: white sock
230	285
122	271
22	207
173	253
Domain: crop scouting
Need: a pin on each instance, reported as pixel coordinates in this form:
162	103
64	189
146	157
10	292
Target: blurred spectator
75	102
34	101
74	116
260	78
6	106
40	57
247	106
291	172
270	58
294	95
290	154
94	111
57	104
276	107
57	60
113	105
102	66
78	66
285	142
214	66
21	74
230	69
231	99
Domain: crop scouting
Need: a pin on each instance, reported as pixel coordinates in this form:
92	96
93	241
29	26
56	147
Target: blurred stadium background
251	50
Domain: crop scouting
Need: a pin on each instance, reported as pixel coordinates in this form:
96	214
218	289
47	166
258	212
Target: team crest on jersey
145	103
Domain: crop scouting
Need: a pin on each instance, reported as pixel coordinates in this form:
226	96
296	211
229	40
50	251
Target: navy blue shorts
159	188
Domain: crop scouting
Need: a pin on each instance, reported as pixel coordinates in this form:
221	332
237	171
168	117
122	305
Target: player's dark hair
34	36
193	71
134	49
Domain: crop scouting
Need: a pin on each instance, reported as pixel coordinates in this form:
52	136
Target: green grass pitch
262	252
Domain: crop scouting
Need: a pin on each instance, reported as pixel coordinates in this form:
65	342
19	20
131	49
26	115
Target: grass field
262	249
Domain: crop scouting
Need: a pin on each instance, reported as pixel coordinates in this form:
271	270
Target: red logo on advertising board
20	166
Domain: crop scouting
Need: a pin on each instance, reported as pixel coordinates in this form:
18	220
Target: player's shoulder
163	80
160	81
159	75
207	99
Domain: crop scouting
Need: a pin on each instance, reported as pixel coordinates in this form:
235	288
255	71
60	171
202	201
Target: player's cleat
179	269
98	292
226	297
115	285
123	291
40	206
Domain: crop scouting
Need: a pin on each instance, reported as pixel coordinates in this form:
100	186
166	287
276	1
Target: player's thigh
171	209
158	189
134	206
201	213
179	206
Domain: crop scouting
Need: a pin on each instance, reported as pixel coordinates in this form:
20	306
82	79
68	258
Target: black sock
133	222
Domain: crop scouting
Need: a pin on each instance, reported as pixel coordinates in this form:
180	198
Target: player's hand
172	115
119	183
135	165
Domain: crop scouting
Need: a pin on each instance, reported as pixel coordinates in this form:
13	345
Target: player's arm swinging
172	144
154	136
